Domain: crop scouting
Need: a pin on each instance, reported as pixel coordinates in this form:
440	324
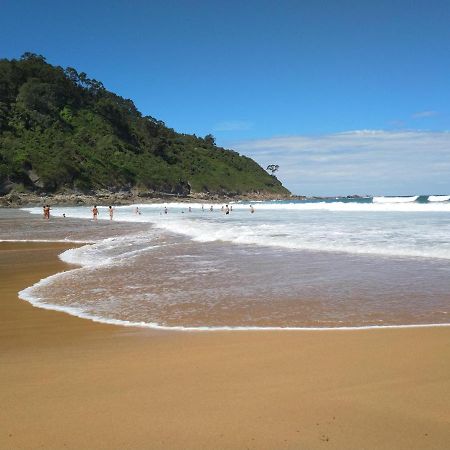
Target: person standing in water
111	212
47	212
94	212
165	210
227	210
252	210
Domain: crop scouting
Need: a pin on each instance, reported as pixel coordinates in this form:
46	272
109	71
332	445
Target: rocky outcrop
17	199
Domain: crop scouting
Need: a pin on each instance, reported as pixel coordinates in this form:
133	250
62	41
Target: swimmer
227	210
165	210
94	212
203	207
47	212
190	209
211	208
111	212
252	210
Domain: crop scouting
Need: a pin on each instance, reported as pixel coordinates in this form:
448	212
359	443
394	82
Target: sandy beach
71	383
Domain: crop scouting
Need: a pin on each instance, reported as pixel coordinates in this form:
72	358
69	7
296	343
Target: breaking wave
395	199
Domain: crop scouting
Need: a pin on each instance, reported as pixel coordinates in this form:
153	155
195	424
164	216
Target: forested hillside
61	131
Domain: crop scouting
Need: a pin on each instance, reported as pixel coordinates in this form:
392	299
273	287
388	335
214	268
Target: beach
225	225
72	383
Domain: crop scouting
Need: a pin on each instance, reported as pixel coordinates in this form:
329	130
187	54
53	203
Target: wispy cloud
361	161
397	123
424	114
233	125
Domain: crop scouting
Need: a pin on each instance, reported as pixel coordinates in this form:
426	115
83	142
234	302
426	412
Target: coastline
75	312
72	383
14	200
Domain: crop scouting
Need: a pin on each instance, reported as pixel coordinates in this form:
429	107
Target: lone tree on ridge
272	168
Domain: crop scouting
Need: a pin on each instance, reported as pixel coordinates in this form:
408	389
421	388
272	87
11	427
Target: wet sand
70	383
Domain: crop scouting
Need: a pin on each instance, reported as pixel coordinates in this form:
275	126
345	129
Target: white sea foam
30	295
395	199
438	198
307	206
322	238
126	213
387	229
56	241
110	251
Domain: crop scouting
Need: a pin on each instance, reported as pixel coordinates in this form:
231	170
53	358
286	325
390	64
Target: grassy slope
59	130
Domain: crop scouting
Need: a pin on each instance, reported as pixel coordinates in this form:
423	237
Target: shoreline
82	228
17	200
74	243
158	327
77	384
205	329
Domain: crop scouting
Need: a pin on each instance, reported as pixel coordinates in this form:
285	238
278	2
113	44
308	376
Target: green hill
61	131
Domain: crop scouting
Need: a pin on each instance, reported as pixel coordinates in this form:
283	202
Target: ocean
313	264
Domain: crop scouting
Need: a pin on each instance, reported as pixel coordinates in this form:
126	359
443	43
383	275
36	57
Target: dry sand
70	383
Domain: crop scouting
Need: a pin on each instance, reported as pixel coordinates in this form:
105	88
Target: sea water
337	263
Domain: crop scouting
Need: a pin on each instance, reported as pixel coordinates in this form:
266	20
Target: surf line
26	295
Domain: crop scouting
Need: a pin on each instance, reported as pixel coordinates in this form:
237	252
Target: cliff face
61	131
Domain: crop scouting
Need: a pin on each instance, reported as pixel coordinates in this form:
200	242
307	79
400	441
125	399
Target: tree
272	168
210	139
60	129
29	56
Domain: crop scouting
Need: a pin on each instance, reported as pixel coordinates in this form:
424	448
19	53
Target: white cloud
397	123
422	114
360	161
233	125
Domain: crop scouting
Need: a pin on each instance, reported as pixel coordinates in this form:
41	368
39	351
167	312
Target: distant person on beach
47	212
64	215
94	212
136	211
190	209
222	208
111	212
227	210
231	207
203	207
211	208
252	210
165	210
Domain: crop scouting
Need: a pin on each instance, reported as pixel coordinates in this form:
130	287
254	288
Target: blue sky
290	76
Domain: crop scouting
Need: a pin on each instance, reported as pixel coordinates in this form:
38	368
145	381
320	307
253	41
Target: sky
347	97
